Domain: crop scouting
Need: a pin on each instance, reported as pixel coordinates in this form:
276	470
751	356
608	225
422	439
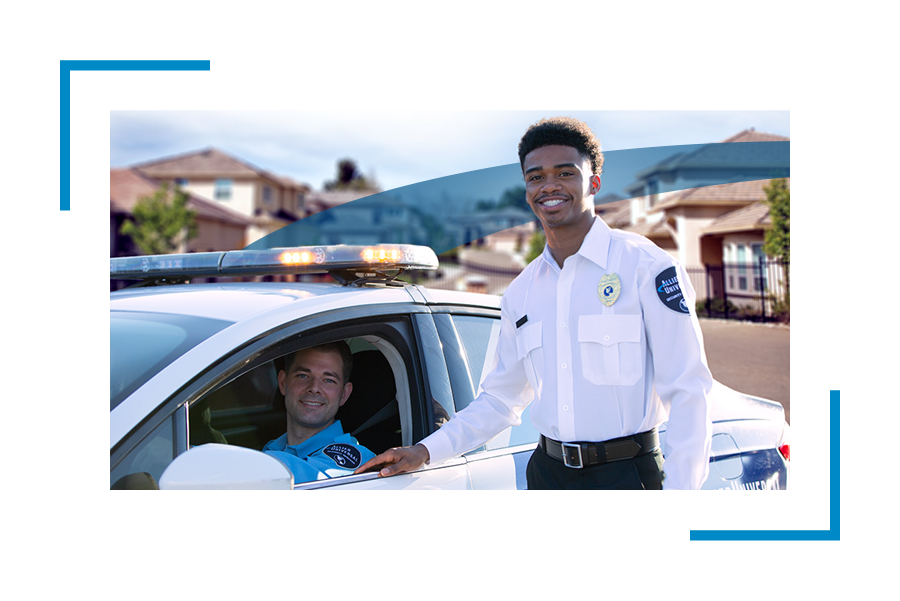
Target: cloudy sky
400	147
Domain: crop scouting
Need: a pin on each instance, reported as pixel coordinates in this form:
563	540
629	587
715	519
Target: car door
469	341
236	401
433	405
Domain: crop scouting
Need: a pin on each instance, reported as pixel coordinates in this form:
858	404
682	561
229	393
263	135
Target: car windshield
142	344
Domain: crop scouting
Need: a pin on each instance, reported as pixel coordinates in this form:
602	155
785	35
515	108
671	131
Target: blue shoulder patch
669	291
344	455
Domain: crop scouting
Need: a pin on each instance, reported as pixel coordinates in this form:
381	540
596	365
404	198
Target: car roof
237	301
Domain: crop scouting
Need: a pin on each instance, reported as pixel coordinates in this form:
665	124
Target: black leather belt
586	454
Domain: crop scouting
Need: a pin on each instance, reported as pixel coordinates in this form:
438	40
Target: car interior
249	410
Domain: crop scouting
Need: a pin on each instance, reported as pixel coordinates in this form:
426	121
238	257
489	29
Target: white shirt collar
594	248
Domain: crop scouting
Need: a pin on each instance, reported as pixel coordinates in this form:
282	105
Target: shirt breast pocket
530	351
610	349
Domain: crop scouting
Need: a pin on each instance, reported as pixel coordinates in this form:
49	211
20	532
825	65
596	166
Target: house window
742	266
759	282
223	189
267	194
181	182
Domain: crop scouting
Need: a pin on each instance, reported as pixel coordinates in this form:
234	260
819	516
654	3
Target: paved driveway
752	358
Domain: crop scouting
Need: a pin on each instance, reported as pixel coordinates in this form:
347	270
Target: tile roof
654	231
738	193
616	213
210	162
127	186
751	217
317	200
751	135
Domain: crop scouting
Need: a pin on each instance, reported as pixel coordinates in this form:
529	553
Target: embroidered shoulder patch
669	291
344	455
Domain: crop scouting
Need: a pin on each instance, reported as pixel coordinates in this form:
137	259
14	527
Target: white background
67	533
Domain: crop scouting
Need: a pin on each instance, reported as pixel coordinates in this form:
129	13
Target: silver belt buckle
571	455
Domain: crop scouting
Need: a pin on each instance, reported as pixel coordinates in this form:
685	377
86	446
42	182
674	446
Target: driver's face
313	388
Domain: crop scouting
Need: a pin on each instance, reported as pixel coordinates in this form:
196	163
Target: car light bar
296	260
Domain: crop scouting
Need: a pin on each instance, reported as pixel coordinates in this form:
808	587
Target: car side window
248	410
142	467
244	412
478	335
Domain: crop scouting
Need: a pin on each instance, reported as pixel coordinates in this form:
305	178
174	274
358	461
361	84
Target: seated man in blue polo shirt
315	383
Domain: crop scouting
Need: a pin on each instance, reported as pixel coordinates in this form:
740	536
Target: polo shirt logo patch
344	455
669	291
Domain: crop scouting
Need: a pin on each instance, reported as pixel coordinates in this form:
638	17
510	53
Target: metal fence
755	291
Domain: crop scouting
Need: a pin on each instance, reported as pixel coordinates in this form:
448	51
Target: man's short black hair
339	346
562	131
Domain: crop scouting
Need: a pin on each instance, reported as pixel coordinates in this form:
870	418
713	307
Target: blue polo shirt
328	454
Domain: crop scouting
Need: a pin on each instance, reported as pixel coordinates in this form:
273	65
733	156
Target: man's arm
505	394
682	378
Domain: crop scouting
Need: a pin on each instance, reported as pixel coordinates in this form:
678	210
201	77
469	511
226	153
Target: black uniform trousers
643	472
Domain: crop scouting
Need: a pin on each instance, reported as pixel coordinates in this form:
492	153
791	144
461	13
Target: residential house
270	201
710	225
219	228
614	210
732	246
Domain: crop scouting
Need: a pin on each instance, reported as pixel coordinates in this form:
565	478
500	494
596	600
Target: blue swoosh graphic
451	211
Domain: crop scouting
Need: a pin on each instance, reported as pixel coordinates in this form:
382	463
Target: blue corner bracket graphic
834	530
65	124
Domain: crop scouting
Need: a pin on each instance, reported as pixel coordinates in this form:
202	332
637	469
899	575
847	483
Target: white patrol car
194	394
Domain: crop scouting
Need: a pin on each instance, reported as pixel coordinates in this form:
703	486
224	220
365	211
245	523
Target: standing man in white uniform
599	333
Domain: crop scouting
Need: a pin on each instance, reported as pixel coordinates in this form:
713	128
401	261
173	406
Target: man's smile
551	201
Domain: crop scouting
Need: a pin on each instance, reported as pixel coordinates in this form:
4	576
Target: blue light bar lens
188	264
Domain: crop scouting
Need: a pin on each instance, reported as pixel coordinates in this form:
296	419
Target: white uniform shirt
597	372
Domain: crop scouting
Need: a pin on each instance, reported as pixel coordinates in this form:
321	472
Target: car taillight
784	445
785	451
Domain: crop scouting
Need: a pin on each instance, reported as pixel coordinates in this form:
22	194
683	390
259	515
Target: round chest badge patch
669	291
609	288
345	455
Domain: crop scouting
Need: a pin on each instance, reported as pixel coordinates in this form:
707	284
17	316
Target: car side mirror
223	467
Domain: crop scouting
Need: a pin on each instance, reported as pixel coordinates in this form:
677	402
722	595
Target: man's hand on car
396	461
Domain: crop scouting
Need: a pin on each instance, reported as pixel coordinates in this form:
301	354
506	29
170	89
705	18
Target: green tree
161	221
348	177
778	237
536	245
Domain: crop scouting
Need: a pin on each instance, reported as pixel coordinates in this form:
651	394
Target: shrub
715	307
